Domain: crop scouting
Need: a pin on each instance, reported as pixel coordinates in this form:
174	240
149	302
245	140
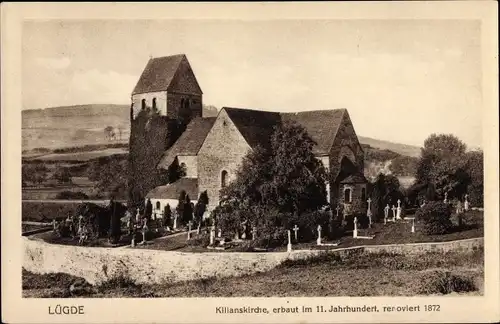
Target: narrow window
363	194
223	179
154	103
143	104
347	195
158	205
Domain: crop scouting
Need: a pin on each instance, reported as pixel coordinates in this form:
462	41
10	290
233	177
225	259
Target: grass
392	233
380	274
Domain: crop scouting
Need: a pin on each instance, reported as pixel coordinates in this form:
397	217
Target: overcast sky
400	80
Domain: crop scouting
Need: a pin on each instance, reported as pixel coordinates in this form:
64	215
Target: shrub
318	259
436	218
444	282
76	195
200	240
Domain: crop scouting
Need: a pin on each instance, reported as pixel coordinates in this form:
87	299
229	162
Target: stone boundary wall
152	266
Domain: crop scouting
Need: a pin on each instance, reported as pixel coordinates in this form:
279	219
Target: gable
346	135
223	137
184	80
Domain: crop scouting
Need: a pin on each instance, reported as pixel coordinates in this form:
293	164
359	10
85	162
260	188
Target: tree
62	175
181	204
120	128
385	190
273	184
175	171
187	214
443	165
436	217
200	208
167	215
149	209
109	132
476	175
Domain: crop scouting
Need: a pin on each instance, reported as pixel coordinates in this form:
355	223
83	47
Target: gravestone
393	213
355	230
132	243
295	229
138	216
398	210
289	245
54	224
318	241
466	202
189	230
144	231
219	233
244	234
386	213
337	209
175	221
445	198
254	233
413	226
212	235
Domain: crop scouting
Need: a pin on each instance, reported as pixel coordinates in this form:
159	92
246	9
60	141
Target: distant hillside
403	149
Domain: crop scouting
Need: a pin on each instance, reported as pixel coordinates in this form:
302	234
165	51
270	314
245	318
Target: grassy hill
403	149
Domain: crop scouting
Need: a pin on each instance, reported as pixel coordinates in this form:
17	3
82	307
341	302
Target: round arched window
223	179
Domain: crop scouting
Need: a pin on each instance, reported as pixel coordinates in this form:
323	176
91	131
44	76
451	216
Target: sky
400	80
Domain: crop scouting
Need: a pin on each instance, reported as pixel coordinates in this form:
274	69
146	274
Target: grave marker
54	224
413	225
295	229
254	233
318	241
393	213
386	213
355	230
466	203
337	209
398	210
219	233
189	230
289	245
212	235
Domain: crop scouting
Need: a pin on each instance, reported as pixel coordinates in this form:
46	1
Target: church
210	149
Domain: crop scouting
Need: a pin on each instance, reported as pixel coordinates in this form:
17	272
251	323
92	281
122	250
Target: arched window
223	179
154	103
143	104
363	194
347	195
158	205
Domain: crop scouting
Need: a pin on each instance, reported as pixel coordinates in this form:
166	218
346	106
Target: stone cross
319	235
138	216
386	211
132	243
413	226
466	203
54	225
289	245
355	230
254	233
219	233
337	209
399	203
393	212
445	197
212	235
295	229
398	213
144	230
175	221
189	230
370	220
369	211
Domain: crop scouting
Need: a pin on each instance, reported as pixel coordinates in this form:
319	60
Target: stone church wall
223	149
191	166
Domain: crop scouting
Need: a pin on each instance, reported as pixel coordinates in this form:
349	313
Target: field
79	156
364	275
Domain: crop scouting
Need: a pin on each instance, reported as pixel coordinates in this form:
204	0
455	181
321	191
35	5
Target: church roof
158	74
355	178
173	190
256	126
189	143
321	125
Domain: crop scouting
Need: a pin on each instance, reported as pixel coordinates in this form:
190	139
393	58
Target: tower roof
158	73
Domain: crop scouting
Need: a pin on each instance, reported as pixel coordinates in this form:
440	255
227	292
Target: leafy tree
109	132
404	166
436	217
476	175
187	214
443	165
175	171
274	184
62	175
181	205
385	190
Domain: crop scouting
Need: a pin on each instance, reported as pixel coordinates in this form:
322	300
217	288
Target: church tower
165	99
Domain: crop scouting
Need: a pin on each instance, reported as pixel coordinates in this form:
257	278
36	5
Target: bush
200	240
436	218
72	195
444	282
